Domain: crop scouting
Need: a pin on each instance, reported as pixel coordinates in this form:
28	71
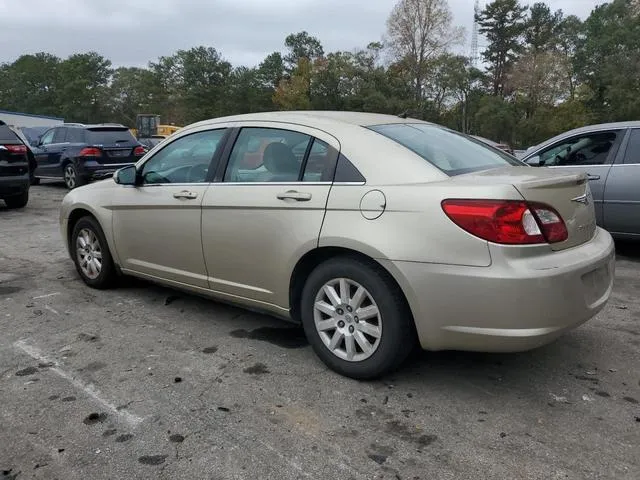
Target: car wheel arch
315	257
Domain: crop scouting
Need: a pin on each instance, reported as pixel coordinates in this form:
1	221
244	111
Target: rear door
622	190
591	153
262	216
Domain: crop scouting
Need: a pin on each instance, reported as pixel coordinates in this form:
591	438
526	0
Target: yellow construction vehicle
148	126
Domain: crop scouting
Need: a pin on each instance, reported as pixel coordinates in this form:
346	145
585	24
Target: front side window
185	160
47	138
267	155
587	149
449	151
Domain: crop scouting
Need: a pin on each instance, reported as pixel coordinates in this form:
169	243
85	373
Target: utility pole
474	35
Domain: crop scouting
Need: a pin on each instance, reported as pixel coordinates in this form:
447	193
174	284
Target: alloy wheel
89	253
347	319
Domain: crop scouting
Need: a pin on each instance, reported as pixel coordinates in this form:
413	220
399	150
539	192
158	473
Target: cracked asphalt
150	383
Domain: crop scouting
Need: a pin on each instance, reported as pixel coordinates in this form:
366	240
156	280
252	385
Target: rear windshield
450	151
109	136
7	135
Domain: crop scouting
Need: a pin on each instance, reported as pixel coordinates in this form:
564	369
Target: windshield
450	151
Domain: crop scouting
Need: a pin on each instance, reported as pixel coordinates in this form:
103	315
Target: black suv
79	153
14	168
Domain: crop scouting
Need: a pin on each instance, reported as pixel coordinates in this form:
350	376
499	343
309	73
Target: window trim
215	157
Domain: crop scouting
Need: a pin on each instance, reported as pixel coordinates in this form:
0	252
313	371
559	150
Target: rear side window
451	152
75	135
58	136
109	136
632	154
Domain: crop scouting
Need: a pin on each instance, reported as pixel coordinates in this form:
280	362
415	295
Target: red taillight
90	152
510	222
20	149
139	151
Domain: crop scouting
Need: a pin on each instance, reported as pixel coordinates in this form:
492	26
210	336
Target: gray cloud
244	31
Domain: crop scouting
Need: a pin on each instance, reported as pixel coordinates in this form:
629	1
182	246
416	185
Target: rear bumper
14	185
92	170
515	304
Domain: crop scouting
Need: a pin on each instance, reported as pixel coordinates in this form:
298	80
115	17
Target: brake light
139	151
90	152
510	222
19	149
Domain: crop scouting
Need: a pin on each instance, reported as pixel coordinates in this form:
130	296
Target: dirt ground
146	382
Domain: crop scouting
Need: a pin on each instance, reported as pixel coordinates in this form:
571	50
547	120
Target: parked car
78	153
14	168
372	231
610	156
501	146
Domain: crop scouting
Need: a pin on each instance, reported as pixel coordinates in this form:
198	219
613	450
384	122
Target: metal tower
474	35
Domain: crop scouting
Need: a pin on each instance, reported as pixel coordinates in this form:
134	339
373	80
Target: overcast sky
132	32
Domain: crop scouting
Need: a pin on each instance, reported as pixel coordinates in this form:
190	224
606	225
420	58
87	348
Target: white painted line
89	389
47	307
47	295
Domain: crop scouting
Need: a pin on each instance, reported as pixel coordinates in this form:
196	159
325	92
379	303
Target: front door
48	153
622	191
591	153
157	223
264	215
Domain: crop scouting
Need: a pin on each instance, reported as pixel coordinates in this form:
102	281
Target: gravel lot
146	382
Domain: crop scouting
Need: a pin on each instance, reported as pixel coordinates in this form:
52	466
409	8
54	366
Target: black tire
108	274
398	336
18	201
72	179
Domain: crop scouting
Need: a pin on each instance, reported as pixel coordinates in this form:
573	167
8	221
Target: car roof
586	129
315	117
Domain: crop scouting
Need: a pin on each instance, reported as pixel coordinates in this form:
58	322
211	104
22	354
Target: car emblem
584	199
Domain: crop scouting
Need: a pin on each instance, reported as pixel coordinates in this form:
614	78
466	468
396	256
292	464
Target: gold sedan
375	232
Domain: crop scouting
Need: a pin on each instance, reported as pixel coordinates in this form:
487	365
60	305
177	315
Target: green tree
83	92
607	59
136	90
503	24
30	84
301	45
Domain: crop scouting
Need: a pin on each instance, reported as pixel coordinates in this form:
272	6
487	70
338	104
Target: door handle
593	177
293	195
186	194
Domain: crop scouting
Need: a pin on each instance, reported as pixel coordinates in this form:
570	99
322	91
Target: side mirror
126	175
535	161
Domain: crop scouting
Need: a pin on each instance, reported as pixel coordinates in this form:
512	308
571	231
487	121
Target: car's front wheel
18	201
91	254
356	318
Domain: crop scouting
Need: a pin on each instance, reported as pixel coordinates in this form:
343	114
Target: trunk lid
568	193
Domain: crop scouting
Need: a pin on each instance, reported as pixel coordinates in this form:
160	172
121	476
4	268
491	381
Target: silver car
374	232
610	156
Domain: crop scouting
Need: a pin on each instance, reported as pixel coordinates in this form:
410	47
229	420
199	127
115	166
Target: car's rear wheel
91	254
18	201
356	318
71	177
